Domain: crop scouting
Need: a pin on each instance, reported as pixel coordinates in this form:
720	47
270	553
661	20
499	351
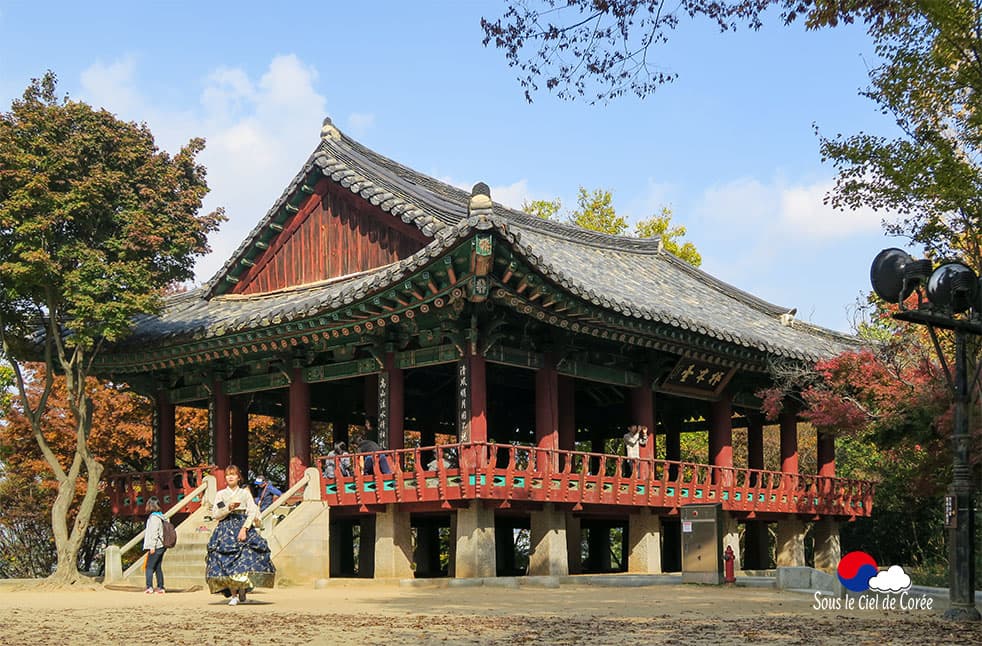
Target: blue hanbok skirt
233	565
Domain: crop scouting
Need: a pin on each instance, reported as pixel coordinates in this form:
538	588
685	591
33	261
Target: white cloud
513	195
112	86
258	132
359	123
893	580
656	196
779	209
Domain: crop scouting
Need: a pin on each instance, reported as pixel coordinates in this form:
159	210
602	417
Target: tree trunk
68	543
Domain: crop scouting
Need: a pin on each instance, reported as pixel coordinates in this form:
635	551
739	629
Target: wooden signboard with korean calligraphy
696	378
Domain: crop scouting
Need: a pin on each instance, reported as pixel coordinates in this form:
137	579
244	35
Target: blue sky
729	146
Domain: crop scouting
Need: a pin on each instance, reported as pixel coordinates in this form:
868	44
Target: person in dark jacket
266	492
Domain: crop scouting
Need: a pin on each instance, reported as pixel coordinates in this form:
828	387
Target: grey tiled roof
629	276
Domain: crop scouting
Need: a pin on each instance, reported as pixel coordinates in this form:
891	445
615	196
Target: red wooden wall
335	233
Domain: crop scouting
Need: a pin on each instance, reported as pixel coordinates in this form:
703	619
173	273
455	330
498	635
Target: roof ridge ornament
329	131
787	319
480	199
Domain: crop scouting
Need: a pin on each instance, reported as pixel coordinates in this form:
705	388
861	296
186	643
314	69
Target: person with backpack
153	543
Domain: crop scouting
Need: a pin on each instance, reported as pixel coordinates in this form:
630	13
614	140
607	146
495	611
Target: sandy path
379	613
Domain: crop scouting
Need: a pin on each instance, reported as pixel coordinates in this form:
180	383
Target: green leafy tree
95	221
544	209
660	226
595	211
929	82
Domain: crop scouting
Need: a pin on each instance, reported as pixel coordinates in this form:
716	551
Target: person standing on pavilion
634	439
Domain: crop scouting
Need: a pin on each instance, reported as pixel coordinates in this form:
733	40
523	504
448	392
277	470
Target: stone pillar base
790	548
475	552
549	556
644	543
828	551
393	544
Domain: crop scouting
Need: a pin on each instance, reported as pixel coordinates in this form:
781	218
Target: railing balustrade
494	471
129	492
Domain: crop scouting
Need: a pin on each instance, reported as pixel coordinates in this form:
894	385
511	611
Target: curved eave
194	328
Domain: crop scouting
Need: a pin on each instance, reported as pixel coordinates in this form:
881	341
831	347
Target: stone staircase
297	537
184	564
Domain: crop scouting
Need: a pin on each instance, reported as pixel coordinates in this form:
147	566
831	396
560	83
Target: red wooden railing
129	492
508	472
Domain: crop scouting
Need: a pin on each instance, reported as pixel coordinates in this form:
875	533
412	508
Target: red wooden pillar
755	445
546	412
721	436
166	414
567	412
643	413
220	410
826	455
240	434
788	420
395	404
472	416
673	440
298	438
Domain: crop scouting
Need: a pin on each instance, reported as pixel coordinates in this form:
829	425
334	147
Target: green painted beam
514	357
256	383
341	370
193	393
603	374
427	356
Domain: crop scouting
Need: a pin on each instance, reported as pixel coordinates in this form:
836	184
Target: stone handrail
310	480
114	554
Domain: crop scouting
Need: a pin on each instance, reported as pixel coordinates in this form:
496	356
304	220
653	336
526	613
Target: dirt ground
366	613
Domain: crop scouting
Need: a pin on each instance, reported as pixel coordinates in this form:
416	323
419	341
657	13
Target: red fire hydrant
728	558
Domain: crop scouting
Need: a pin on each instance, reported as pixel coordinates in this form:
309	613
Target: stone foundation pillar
756	553
790	548
393	544
475	555
574	538
828	552
549	555
644	543
731	537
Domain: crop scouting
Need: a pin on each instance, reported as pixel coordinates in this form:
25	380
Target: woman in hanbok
238	557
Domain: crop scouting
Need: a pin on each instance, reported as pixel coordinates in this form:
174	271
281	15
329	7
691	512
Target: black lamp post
952	302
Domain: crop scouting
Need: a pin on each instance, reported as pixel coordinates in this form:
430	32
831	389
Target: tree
929	82
544	209
94	222
660	226
602	49
595	211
